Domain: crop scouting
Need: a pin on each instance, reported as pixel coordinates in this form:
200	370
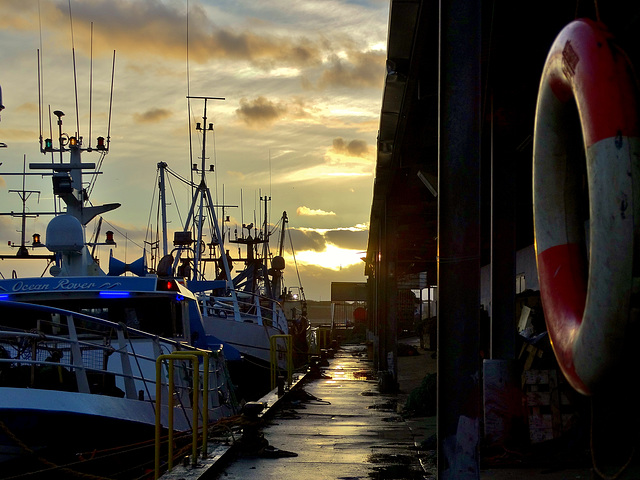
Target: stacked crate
549	410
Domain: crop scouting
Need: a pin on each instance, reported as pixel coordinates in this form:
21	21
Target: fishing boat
86	355
242	309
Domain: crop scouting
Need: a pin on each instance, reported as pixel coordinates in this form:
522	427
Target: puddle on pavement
390	406
364	375
395	467
393	419
340	373
390	458
397	472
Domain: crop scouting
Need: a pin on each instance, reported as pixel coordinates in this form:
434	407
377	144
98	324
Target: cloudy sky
302	82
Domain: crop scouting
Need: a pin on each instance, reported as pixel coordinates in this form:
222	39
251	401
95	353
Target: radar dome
65	234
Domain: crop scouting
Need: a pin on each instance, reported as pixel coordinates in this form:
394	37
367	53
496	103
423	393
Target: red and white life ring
586	305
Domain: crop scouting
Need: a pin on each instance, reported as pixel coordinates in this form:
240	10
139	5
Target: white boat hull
76	422
249	338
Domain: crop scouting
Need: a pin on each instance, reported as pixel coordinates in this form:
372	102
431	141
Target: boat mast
2	144
285	220
24	196
163	207
275	265
202	188
265	228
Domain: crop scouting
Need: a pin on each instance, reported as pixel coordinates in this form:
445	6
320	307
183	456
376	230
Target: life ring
586	287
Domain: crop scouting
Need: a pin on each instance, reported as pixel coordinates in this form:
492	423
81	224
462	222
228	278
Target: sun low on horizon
302	87
331	258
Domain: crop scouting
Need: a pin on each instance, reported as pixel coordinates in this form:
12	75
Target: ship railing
83	357
252	307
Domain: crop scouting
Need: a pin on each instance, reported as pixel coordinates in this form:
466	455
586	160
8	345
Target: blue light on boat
179	297
115	294
4	297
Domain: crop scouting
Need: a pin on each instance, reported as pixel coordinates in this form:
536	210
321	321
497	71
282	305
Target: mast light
36	240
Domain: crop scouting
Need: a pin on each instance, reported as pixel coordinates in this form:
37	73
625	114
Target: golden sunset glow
302	86
333	257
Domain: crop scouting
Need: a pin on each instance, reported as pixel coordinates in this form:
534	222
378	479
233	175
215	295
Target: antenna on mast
2	144
189	103
113	70
40	79
24	195
75	72
202	189
90	80
39	98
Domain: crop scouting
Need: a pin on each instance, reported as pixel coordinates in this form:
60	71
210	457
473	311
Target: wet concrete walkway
340	427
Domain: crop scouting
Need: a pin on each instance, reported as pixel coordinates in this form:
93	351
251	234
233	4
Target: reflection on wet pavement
343	429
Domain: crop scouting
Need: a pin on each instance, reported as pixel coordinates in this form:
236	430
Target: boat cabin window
158	316
161	316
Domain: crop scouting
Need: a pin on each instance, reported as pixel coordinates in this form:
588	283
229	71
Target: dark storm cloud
262	49
305	240
260	112
149	27
146	30
354	148
152	115
355	240
315	279
360	69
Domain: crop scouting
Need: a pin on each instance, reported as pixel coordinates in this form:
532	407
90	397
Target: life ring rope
586	303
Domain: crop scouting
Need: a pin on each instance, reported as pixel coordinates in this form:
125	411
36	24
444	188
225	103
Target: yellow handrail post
205	393
193	357
170	383
158	418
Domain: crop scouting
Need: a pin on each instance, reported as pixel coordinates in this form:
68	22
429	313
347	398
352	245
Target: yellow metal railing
193	357
274	358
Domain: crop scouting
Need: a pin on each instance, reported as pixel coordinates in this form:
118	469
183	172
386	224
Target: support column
459	240
503	249
387	309
389	378
381	290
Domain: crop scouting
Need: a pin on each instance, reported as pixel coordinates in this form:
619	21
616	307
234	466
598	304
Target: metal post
170	381
391	326
193	357
503	252
381	290
459	240
76	354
